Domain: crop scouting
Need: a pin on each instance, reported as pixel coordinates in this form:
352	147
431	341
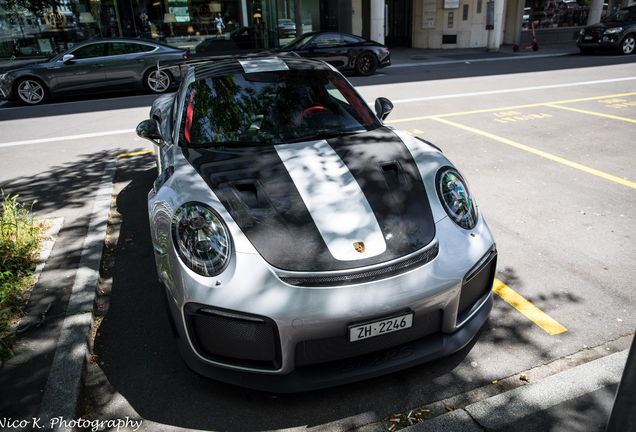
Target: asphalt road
546	147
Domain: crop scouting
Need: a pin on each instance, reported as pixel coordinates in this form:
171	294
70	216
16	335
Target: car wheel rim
365	64
158	81
628	45
31	92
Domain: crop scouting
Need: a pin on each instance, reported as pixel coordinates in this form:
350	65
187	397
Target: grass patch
20	236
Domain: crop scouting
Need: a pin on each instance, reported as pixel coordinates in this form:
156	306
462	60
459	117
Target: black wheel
535	47
628	44
586	51
31	91
158	81
366	63
515	48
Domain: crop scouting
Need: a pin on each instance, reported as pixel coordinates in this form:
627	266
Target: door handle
98	65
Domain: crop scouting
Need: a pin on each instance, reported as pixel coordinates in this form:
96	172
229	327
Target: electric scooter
533	45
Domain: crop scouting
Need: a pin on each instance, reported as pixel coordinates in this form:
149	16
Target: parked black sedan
242	40
616	32
97	65
344	51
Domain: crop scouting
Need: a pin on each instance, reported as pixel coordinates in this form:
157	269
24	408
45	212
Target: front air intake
477	286
233	338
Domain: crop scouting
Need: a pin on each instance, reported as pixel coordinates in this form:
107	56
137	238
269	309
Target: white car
299	242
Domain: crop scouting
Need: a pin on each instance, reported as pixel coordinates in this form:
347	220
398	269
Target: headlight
455	197
201	239
613	30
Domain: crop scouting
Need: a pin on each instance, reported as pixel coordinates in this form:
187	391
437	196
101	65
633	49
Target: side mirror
68	58
383	107
149	129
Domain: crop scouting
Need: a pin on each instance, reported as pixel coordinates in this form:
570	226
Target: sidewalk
577	398
410	57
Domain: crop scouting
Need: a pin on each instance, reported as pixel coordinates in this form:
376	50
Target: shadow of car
344	51
93	66
241	39
617	32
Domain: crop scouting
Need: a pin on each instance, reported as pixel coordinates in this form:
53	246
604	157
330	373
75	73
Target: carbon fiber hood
285	221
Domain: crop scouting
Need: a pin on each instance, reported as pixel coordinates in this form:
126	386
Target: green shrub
20	237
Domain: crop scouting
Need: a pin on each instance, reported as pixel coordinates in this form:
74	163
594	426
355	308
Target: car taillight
186	56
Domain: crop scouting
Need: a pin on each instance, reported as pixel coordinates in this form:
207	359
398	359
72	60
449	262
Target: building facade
42	28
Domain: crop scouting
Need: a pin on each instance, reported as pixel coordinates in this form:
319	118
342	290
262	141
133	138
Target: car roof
255	63
124	39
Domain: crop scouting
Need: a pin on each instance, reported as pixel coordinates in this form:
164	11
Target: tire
628	44
31	91
535	47
366	64
158	81
515	48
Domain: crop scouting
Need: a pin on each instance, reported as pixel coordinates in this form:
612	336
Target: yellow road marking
510	108
592	113
136	153
540	153
532	312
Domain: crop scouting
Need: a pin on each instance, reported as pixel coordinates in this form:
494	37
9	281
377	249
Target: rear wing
180	67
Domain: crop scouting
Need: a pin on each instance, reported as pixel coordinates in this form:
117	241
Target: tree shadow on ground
59	191
67	186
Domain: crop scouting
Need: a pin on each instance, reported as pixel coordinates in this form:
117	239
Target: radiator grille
339	348
367	276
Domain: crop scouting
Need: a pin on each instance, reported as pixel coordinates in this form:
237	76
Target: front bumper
307	328
600	42
5	88
331	374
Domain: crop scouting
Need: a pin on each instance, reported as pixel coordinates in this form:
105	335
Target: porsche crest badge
359	246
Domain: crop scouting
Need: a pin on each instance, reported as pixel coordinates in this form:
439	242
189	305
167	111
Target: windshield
622	16
298	42
272	108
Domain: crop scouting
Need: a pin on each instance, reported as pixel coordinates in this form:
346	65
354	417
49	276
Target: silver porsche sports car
299	242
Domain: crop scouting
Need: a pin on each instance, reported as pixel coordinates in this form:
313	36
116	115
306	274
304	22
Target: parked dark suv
616	32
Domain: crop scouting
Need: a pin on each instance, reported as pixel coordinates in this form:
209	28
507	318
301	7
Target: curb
65	384
489	59
505	408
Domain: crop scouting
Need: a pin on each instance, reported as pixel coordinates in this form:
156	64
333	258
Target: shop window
449	39
555	14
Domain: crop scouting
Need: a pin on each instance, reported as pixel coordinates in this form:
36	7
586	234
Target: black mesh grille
478	286
368	276
339	348
235	341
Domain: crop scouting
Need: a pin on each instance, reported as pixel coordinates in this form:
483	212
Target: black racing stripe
391	182
255	188
258	192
